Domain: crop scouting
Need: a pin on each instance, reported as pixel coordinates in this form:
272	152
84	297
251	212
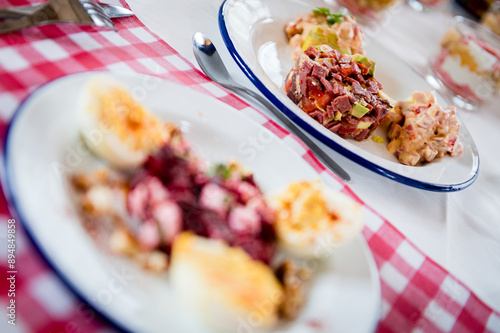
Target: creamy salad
421	130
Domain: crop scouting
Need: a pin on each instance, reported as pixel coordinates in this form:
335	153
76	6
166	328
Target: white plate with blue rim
253	31
43	147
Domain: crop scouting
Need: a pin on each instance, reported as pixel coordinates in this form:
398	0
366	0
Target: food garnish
331	18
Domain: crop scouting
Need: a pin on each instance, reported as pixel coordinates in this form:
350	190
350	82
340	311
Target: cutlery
212	65
61	11
15	12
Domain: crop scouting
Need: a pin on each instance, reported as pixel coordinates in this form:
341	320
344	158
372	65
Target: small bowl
467	65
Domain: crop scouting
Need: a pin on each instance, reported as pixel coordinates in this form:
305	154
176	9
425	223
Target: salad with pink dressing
421	130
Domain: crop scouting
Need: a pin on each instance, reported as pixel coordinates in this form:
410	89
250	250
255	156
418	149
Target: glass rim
466	27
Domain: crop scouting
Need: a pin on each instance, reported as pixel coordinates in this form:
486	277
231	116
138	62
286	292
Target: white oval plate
43	146
253	31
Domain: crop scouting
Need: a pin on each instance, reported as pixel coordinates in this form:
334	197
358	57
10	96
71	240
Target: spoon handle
320	154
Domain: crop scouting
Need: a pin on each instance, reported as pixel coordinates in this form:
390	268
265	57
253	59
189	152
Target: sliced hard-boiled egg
223	285
114	126
312	219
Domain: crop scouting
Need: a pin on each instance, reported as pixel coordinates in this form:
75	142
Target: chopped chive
331	18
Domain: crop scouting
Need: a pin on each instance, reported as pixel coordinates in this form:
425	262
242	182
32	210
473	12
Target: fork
113	11
57	11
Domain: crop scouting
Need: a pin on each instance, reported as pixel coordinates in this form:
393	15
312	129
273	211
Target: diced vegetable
363	60
338	116
359	110
364	124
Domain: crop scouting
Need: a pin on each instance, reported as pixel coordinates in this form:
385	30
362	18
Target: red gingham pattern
417	294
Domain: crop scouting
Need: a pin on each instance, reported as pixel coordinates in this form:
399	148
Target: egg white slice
114	126
313	220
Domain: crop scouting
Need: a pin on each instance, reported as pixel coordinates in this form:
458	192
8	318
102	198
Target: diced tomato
314	88
307	105
346	69
316	92
323	101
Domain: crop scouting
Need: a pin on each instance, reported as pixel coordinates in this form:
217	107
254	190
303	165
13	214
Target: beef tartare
338	91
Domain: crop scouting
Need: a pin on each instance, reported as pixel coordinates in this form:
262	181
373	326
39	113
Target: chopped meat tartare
338	91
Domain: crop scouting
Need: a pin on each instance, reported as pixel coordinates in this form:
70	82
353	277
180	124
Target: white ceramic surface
43	147
253	31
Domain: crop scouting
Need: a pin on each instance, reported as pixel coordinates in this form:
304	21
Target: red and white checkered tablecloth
417	294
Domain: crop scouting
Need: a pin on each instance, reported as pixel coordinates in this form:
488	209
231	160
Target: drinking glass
466	66
370	11
426	5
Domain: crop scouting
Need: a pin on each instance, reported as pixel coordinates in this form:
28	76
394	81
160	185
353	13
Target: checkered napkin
417	294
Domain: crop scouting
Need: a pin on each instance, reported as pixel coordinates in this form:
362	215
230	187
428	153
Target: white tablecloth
459	230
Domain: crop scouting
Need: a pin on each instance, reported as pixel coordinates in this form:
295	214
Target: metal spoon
210	62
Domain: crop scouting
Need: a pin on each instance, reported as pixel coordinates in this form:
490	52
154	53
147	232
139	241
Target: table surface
458	230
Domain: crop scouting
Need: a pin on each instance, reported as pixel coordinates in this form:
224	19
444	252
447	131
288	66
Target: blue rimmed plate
43	146
253	31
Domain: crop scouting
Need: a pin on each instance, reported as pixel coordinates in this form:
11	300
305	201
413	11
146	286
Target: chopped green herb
334	18
321	10
221	170
331	18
